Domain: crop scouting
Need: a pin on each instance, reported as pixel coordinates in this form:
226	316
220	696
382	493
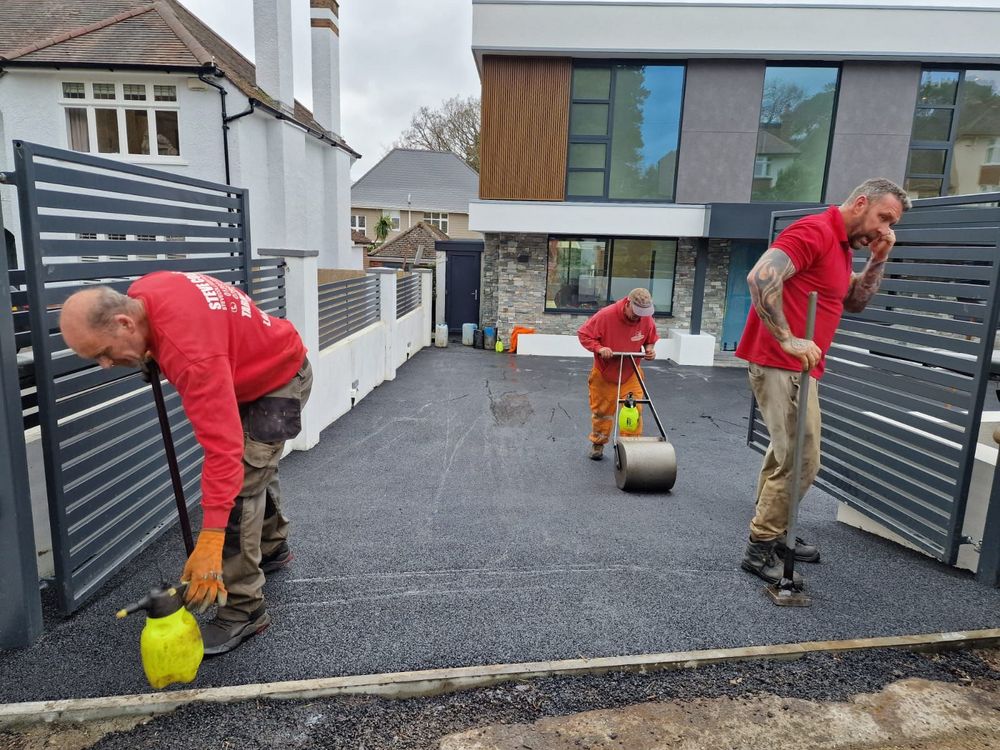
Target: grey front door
462	284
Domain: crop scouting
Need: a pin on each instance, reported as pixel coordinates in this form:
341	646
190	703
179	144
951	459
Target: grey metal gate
88	220
906	379
21	615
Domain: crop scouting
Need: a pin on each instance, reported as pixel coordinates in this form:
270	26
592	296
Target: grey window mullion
953	134
607	151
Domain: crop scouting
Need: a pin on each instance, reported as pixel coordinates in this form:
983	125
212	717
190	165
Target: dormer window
128	119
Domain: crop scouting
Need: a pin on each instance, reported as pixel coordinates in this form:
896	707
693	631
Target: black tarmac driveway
452	519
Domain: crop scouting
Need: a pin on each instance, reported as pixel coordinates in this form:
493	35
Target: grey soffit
747	221
432	180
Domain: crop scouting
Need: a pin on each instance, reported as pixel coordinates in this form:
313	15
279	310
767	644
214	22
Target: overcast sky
399	55
395	56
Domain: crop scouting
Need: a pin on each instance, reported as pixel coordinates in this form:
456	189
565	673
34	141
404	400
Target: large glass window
585	274
956	129
624	128
793	140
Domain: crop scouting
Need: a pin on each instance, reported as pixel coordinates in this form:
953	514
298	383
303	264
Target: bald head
102	324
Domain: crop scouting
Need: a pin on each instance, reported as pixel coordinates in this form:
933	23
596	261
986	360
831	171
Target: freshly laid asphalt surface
452	519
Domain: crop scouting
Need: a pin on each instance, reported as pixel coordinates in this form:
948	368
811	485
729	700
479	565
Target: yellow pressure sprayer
170	644
628	415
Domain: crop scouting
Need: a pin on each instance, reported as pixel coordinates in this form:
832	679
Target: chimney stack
272	37
325	39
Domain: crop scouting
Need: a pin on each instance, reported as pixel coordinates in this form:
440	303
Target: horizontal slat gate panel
407	294
99	203
74	248
77	178
906	378
110	492
346	307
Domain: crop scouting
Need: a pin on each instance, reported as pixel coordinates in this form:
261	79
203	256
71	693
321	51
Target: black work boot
805	552
222	635
277	559
761	560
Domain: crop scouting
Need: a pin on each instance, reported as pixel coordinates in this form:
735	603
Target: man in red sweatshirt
243	378
624	326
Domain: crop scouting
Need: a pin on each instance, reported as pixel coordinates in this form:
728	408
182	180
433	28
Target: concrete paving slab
452	519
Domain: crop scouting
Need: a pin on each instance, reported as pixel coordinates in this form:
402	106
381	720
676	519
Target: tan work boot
596	452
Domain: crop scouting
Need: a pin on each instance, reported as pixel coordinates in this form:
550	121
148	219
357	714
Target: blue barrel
489	338
468	329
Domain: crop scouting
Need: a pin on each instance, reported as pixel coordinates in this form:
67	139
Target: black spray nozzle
630	400
161	601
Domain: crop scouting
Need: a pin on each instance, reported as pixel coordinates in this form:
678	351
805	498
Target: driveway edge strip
438	681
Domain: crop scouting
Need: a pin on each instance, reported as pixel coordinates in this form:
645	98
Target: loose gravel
371	723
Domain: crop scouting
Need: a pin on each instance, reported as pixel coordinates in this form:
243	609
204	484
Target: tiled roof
420	236
128	34
359	238
769	143
433	181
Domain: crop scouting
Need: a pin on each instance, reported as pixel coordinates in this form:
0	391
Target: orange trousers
603	402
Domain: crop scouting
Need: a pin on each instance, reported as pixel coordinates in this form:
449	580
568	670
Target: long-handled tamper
785	593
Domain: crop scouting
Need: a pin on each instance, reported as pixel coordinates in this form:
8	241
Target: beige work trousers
777	394
257	526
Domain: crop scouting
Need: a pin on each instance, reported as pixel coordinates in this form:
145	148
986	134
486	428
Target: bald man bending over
243	378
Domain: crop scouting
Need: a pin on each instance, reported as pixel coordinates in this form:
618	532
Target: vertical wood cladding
525	128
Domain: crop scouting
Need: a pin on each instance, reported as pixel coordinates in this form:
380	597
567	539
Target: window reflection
955	146
636	157
585	274
793	140
974	165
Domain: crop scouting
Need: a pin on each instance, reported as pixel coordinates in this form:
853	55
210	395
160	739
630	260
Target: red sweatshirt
608	327
219	350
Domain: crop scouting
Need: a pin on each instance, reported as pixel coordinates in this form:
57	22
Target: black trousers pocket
272	419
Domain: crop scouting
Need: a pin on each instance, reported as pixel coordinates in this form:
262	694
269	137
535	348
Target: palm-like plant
382	228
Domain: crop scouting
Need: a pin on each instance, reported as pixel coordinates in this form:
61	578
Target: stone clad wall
514	290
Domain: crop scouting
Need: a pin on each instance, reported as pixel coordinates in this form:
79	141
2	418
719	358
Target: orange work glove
203	571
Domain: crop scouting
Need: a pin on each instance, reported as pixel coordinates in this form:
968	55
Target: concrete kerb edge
439	681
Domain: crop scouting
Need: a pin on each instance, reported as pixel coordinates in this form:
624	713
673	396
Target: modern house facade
147	82
646	144
410	186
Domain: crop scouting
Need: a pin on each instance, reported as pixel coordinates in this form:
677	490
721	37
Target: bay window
130	119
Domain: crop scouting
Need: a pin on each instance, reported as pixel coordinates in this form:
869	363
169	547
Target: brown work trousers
604	403
257	526
777	394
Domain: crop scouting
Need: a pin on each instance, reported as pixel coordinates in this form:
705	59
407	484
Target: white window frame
993	152
359	222
394	218
762	167
120	105
438	219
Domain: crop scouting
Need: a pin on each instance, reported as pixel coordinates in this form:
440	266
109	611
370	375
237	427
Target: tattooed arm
864	285
766	281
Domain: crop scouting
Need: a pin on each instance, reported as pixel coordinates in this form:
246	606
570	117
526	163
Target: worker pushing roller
619	335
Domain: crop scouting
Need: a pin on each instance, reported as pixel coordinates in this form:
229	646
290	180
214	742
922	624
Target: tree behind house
454	126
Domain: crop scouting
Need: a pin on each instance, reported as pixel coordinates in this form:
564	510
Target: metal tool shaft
168	446
800	433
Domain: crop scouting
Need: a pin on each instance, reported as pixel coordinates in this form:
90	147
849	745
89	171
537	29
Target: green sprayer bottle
170	645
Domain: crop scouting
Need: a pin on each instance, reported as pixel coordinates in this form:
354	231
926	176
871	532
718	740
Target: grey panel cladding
874	118
719	130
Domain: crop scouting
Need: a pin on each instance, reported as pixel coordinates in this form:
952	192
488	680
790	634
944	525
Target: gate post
21	613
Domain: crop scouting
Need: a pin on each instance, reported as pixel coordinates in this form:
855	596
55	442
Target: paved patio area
452	519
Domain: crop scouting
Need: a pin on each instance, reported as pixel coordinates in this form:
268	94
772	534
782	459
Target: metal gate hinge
7	178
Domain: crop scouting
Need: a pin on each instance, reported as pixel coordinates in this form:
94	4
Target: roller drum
645	464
